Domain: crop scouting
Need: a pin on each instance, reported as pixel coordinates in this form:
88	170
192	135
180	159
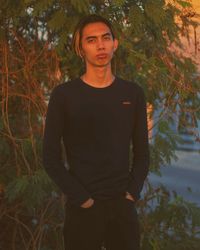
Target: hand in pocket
88	203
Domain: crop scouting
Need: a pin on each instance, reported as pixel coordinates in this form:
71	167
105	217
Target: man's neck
98	77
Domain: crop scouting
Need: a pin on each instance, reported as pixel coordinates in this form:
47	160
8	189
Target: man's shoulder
65	87
132	85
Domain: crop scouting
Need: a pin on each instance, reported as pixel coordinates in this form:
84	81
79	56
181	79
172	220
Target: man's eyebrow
91	37
107	34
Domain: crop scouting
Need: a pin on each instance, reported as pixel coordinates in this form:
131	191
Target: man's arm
140	164
52	153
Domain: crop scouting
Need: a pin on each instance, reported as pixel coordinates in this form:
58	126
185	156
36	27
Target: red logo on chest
126	102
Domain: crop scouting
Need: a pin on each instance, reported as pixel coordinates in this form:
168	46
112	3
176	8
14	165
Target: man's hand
129	196
88	203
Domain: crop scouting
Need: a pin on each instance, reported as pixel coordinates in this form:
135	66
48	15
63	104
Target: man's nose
100	44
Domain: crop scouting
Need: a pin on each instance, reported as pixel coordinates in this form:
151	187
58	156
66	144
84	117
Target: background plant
36	55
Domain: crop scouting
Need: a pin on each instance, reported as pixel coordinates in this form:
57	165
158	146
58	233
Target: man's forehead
95	29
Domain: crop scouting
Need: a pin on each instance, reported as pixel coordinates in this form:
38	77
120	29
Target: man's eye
91	40
107	38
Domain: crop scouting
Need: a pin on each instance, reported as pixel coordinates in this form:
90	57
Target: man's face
98	45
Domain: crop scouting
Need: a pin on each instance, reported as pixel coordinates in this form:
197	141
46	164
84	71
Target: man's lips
102	56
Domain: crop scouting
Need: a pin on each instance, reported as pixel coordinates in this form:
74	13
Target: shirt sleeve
140	147
52	152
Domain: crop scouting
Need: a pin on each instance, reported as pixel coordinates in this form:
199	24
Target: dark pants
111	223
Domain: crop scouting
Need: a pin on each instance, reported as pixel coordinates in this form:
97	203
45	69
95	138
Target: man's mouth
102	56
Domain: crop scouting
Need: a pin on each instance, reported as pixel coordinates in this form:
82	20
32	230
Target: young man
97	116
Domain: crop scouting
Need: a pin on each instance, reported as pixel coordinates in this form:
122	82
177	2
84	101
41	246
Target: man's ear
80	53
116	42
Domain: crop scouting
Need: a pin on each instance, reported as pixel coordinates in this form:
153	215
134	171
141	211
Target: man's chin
102	64
99	64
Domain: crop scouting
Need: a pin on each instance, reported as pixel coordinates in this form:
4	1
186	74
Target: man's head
94	39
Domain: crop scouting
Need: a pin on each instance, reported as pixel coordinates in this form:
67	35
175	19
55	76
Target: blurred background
183	175
160	50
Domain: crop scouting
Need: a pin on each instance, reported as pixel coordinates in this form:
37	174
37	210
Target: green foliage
32	190
29	32
118	2
153	11
168	221
40	6
80	6
137	19
58	20
184	4
162	150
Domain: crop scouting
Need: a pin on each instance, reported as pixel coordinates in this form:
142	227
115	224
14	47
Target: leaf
32	189
16	188
80	6
58	20
137	20
118	2
184	4
155	11
41	6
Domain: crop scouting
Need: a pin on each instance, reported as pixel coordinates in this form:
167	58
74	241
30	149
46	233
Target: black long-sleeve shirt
97	126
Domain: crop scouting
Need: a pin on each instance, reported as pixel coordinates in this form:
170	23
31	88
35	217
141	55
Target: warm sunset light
192	45
99	125
193	48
